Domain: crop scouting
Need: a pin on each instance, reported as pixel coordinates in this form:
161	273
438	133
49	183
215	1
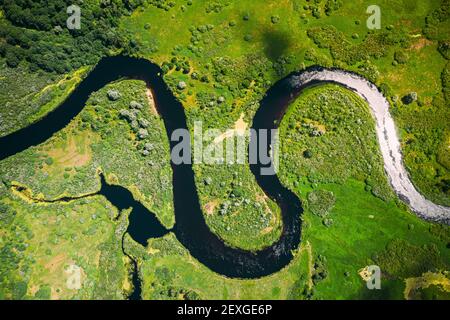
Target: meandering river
190	227
387	135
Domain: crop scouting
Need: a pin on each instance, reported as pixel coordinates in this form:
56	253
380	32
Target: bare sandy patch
151	101
74	277
420	43
240	128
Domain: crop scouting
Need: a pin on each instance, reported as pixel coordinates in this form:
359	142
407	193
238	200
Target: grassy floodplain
34	233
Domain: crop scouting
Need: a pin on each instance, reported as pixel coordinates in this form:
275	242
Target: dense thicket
36	32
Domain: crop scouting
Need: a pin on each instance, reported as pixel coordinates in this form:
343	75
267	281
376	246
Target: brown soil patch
55	262
210	207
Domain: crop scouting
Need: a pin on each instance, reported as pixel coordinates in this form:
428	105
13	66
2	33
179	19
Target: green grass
361	229
67	165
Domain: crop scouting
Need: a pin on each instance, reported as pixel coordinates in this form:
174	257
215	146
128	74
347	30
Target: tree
6	214
143	123
410	98
19	290
307	154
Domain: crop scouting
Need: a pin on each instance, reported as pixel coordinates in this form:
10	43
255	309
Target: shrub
126	114
332	5
320	202
445	78
19	290
275	19
136	105
307	154
12	60
320	271
143	123
192	295
181	85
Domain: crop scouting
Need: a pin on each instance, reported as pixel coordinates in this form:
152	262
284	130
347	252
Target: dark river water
190	227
